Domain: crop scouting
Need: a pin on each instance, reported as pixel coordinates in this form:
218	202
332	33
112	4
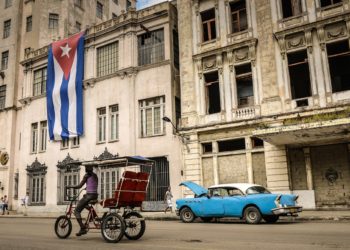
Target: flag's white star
65	50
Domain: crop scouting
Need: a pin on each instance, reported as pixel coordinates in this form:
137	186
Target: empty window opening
257	143
339	61
231	145
244	81
207	148
291	8
325	3
302	103
239	16
299	74
208	23
212	93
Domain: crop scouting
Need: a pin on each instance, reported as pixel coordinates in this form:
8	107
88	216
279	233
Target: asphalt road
29	233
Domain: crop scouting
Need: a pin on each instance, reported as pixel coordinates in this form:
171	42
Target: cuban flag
64	87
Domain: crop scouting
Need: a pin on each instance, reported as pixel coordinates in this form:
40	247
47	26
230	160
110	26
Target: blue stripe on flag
49	88
79	85
64	108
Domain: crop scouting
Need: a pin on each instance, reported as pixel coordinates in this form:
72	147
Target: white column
29	83
308	165
215	163
221	84
90	62
249	157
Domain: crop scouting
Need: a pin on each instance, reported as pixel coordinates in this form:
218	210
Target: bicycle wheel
112	228
63	227
135	226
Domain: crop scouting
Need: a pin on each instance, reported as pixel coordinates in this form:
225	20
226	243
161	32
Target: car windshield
257	190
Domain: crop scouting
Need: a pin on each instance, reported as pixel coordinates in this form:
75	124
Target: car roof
242	186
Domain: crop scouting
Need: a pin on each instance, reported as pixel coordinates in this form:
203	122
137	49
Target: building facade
131	82
265	95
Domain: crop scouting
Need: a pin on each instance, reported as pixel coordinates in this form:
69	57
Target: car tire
206	219
271	218
186	215
252	215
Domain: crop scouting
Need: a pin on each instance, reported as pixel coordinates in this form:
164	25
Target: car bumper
287	210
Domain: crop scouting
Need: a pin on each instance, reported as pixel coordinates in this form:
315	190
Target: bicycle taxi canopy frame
120	162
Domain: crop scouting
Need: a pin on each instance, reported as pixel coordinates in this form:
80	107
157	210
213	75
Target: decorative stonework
331	175
209	63
335	31
241	54
68	162
230	60
295	41
36	166
321	37
219	62
198	63
105	156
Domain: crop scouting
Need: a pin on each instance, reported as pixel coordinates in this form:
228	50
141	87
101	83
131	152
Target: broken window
339	61
208	22
151	47
325	3
244	82
299	75
207	148
257	143
239	16
291	8
231	145
212	90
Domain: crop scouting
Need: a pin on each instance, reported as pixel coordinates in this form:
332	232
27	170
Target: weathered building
131	82
265	94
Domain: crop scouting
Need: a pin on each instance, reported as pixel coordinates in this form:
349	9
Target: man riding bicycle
91	180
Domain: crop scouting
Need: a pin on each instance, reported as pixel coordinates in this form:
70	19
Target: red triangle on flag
64	52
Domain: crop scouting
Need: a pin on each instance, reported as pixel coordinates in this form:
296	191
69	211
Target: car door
234	202
213	205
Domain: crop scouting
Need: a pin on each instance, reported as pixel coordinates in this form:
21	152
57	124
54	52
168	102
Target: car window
234	192
257	190
218	192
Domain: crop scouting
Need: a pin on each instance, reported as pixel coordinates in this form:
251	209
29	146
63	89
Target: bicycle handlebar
73	198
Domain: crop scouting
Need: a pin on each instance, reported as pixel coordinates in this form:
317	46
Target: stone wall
232	168
259	169
327	160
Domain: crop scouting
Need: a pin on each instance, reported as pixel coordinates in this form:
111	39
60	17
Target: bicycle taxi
121	218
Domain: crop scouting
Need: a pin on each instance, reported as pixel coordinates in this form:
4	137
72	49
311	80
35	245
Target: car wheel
206	219
271	218
186	215
252	215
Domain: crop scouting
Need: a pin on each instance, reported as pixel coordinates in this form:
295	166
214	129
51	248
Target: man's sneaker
81	232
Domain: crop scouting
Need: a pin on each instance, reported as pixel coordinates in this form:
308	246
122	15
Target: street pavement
332	215
38	233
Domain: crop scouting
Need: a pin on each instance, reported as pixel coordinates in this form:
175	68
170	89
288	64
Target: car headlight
278	201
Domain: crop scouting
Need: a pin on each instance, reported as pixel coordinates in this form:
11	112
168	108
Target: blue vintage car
250	202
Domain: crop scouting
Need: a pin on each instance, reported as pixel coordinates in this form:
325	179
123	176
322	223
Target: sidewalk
161	216
303	216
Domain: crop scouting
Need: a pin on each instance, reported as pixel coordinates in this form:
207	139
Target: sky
146	3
